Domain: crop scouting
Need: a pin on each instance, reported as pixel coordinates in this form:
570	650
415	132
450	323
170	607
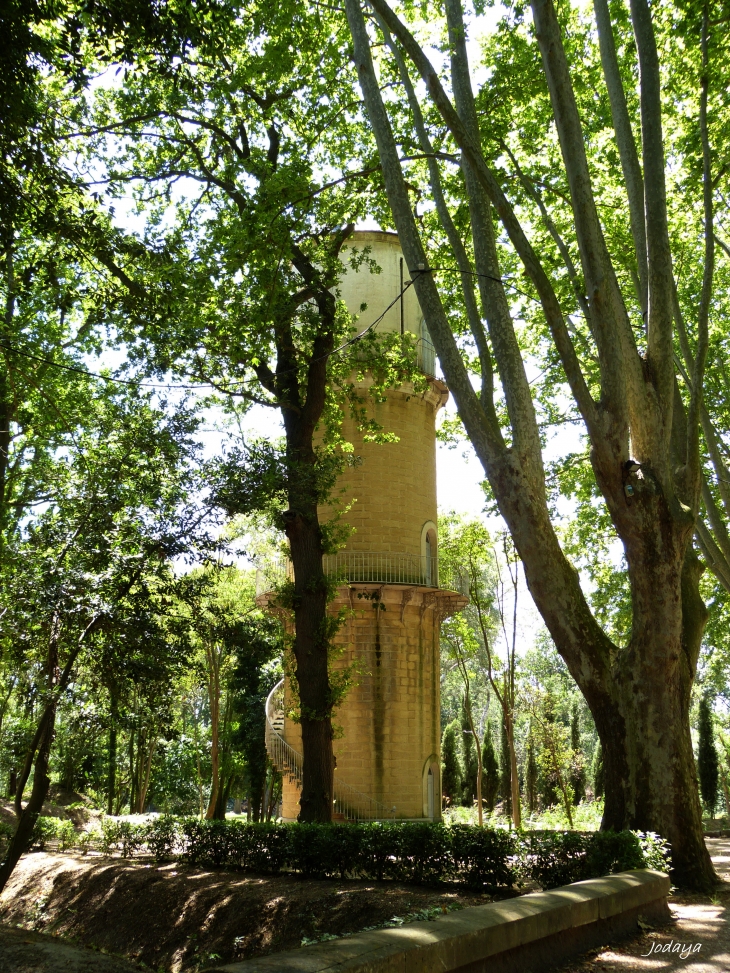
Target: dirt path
180	919
699	921
31	952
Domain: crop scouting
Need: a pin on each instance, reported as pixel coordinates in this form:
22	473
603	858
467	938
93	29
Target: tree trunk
145	774
112	781
21	839
214	700
132	778
43	739
651	778
311	644
514	779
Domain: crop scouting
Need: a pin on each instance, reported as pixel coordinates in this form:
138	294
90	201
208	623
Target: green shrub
323	850
109	836
264	847
422	853
85	840
554	858
163	837
207	842
375	850
45	830
130	837
482	857
66	835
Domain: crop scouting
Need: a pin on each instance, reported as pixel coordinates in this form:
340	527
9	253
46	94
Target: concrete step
531	932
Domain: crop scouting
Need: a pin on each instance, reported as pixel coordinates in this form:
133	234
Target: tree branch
626	145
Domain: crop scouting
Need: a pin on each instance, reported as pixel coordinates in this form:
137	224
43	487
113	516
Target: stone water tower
387	750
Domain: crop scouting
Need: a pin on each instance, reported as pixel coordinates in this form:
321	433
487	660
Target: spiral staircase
349	803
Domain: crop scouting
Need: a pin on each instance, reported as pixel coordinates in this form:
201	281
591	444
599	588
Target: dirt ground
178	919
698	921
99	915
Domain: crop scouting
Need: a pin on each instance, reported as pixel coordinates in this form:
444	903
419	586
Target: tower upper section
378	291
391	488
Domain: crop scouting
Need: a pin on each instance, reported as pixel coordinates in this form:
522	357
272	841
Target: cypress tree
490	770
547	781
597	769
531	775
577	771
451	777
505	773
708	767
470	762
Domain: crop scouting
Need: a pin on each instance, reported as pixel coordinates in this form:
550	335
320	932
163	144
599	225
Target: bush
264	847
109	836
163	837
85	840
657	851
130	837
324	850
422	853
66	835
45	830
206	842
554	858
482	857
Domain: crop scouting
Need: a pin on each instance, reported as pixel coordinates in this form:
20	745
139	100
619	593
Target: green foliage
468	761
505	770
6	833
451	772
707	759
420	853
490	770
85	841
599	779
577	775
66	835
554	858
482	857
46	829
531	775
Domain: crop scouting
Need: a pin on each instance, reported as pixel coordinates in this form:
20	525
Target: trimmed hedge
420	853
554	858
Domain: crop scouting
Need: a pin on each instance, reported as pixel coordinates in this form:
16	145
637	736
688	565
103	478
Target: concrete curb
528	933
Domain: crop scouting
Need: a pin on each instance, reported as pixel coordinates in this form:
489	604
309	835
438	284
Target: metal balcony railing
350	803
368	567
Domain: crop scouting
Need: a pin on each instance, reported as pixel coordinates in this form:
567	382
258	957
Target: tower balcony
370	567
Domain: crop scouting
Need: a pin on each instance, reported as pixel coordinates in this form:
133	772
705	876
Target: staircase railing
352	804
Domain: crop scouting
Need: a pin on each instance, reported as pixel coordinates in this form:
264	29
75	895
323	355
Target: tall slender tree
708	765
577	770
612	310
490	770
451	773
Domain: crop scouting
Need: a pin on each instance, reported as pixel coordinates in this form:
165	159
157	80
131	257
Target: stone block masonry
527	934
